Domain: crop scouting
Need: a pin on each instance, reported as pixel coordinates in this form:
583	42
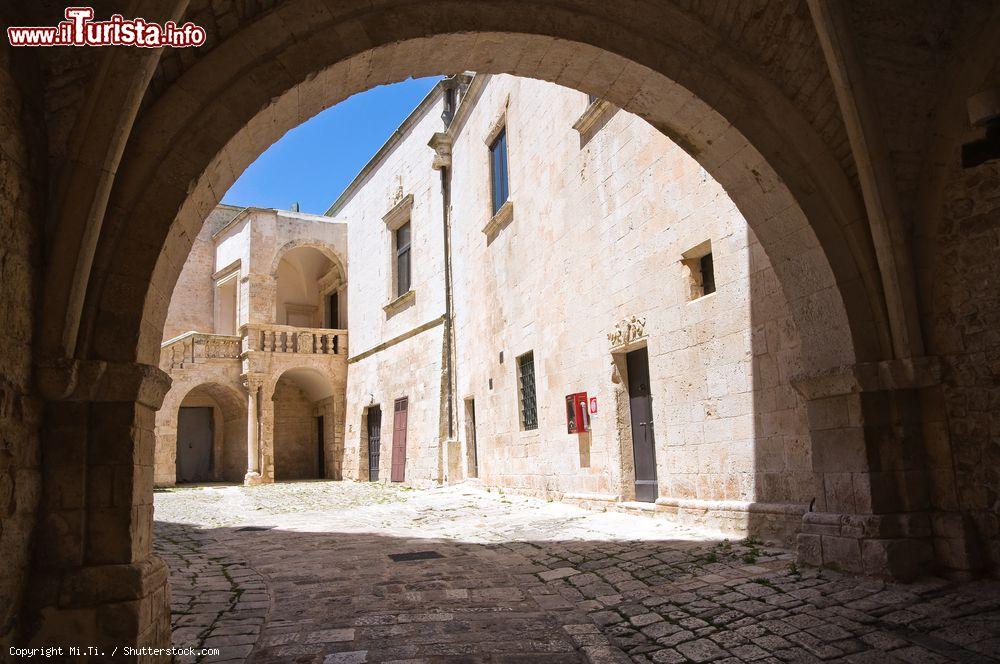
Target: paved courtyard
345	573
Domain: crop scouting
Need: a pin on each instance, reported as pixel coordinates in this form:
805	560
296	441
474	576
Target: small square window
707	274
700	265
526	391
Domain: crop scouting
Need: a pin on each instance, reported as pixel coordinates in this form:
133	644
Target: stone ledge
592	114
889	375
96	380
503	217
405	300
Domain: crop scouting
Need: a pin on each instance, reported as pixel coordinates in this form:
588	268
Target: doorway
641	411
470	437
320	452
195	433
374	441
399	440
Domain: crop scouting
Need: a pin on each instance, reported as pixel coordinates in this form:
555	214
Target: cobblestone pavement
495	578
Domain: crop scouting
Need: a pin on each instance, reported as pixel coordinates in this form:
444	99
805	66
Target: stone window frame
398	216
229	273
691	262
589	121
503	216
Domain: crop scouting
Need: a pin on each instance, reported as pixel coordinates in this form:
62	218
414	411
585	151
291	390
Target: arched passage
211	435
310	287
201	434
304	411
197	133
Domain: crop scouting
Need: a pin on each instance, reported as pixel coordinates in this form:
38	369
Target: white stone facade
601	207
597	252
257	324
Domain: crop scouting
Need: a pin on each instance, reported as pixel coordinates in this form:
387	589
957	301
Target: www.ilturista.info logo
79	29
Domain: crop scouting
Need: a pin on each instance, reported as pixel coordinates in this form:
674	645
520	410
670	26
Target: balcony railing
289	339
198	347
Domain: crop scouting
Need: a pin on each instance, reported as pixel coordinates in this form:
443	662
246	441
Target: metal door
643	441
194	444
374	441
399	440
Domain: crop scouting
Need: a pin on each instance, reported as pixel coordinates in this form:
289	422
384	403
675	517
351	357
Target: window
402	241
333	310
701	270
526	389
707	274
498	170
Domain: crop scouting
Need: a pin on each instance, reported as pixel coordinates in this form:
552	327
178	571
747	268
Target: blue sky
313	163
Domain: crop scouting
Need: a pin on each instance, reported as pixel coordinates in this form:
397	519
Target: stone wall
191	305
966	334
396	345
295	446
601	224
21	191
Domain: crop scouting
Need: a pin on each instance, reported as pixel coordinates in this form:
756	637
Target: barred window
498	170
526	390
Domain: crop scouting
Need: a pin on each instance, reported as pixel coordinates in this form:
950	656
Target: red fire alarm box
577	415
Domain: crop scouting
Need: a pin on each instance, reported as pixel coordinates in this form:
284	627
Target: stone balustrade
290	339
198	347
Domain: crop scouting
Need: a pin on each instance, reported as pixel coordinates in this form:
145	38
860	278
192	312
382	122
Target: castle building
545	294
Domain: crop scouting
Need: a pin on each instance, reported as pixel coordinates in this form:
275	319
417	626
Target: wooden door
194	444
374	441
399	441
643	441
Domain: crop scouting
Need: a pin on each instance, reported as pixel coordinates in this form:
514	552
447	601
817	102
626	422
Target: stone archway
229	457
198	132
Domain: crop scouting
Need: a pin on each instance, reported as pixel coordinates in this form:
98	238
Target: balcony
196	348
293	340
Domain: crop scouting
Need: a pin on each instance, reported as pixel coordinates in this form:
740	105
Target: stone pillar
95	580
873	509
253	383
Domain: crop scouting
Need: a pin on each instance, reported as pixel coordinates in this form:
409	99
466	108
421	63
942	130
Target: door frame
626	460
405	401
368	441
213	444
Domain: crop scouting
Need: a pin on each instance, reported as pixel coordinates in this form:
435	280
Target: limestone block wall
21	195
411	369
965	332
600	226
221	380
191	304
396	347
295	435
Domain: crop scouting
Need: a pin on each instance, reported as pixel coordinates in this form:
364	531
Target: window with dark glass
526	389
707	275
403	259
498	170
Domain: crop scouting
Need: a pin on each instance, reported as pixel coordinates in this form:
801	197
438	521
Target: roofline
387	147
245	211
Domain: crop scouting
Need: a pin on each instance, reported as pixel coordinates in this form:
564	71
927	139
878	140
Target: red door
399	440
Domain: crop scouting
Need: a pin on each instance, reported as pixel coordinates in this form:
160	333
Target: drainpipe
441	142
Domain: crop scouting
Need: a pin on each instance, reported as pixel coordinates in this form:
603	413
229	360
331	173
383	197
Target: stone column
94	576
874	511
252	382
